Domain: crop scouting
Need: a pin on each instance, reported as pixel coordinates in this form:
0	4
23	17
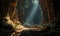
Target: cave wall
8	6
48	10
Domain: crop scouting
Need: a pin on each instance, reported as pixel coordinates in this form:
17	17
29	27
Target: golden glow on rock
18	26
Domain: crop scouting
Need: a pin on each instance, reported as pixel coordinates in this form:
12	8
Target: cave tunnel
31	12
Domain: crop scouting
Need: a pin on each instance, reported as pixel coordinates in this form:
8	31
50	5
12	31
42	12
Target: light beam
32	13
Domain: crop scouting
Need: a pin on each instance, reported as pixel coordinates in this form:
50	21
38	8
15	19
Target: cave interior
46	13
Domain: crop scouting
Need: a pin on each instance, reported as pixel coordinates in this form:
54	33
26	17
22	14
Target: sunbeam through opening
33	12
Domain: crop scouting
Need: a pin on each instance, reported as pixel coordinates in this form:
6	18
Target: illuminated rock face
17	26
